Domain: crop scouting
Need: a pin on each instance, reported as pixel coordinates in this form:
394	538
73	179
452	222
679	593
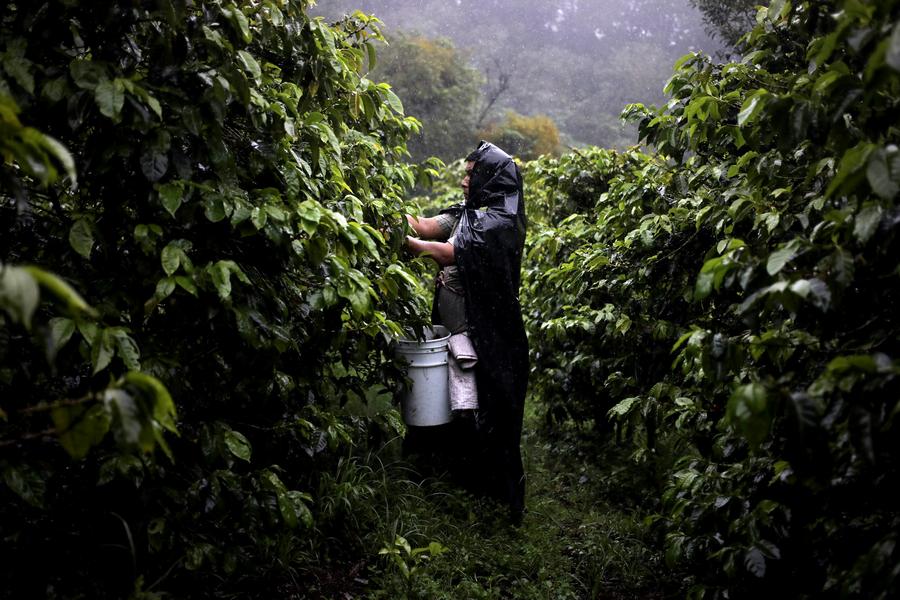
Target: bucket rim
442	334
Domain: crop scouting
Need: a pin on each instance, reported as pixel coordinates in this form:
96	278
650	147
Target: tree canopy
439	87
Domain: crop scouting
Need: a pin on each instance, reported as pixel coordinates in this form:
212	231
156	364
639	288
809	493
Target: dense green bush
235	169
728	303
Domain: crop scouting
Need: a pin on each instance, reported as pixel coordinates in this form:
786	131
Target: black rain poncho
488	247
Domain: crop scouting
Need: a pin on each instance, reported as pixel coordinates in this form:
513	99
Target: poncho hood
493	174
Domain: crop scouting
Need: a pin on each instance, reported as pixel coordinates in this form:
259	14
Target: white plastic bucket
427	401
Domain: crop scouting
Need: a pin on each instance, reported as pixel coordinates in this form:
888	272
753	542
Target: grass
583	536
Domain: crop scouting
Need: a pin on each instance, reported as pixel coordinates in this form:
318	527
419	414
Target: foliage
582	536
439	87
235	172
136	407
444	190
577	62
727	304
524	137
728	20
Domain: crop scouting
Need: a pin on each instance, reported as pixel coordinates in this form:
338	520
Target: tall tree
728	20
577	62
439	87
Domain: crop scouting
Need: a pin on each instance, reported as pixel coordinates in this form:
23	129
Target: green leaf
26	482
748	409
241	23
781	257
892	58
62	155
310	214
171	195
238	445
215	210
294	504
86	73
187	284
127	350
778	8
372	55
821	50
259	217
81	238
102	350
61	331
851	165
878	173
164	288
866	222
88	330
392	100
55	89
110	97
250	65
860	362
19	294
126	419
19	68
753	105
220	273
171	258
164	411
80	428
755	562
623	408
154	164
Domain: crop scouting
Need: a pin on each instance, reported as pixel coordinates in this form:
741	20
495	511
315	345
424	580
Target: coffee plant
724	299
201	272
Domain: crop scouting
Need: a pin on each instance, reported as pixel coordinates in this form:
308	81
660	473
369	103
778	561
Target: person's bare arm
428	228
442	253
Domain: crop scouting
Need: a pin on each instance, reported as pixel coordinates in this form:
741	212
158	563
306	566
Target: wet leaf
171	197
866	222
81	237
392	100
249	63
127	350
110	97
19	294
238	445
752	106
154	164
892	58
171	258
26	482
755	562
781	257
878	173
126	418
80	428
61	331
102	350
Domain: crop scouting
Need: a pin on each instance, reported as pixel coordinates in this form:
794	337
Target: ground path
582	538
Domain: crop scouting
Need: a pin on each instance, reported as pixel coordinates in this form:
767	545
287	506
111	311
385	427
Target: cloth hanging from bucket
463	388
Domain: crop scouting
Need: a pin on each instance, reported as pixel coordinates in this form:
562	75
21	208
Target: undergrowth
584	535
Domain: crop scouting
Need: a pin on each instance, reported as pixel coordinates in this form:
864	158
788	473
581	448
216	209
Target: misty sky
579	61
